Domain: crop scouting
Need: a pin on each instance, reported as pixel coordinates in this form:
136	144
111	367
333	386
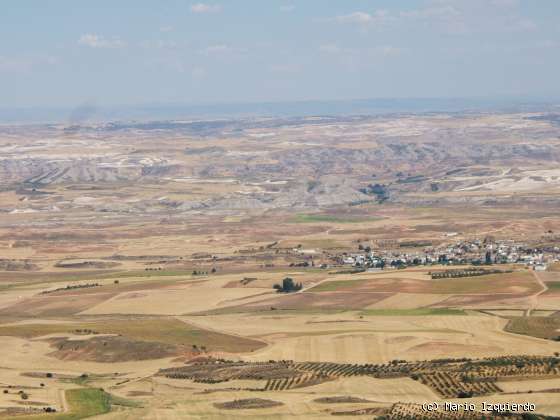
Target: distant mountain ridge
374	106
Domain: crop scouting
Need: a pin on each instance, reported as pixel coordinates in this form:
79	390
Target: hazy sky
68	52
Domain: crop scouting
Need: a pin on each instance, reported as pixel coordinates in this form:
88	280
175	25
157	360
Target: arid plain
138	264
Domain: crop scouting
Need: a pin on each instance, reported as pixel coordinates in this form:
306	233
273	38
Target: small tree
288	285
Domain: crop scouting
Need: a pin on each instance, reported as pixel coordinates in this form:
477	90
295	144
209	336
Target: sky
56	53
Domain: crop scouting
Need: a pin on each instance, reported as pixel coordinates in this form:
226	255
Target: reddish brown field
311	301
55	305
517	283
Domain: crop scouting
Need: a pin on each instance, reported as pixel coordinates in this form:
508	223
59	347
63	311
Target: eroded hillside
283	163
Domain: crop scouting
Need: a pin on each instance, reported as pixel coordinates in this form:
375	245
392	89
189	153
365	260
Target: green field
553	285
536	326
86	402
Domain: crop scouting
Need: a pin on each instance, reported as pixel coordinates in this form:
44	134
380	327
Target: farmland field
537	326
512	283
164	331
298	285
